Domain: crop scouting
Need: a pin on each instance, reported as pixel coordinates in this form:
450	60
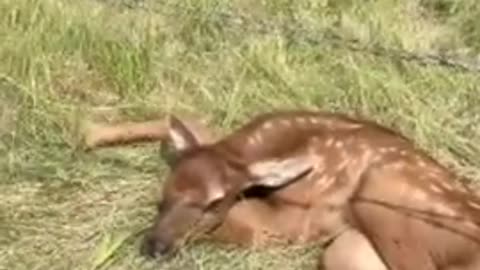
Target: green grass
63	62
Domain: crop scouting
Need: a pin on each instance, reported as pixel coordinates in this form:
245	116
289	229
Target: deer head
204	182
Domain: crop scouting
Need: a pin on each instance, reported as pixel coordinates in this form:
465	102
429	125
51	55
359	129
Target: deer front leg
351	251
251	223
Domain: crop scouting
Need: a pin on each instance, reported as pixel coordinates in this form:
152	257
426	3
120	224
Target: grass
63	62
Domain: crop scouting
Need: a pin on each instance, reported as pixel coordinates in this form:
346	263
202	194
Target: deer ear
181	136
279	172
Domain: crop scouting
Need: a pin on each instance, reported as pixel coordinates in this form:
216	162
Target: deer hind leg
104	135
379	212
351	251
389	236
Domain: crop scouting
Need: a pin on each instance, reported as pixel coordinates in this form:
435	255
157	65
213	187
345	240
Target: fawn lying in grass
375	200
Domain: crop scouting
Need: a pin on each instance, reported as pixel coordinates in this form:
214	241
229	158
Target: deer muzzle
172	225
153	246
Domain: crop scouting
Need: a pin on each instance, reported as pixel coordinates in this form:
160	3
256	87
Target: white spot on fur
251	140
267	125
342	164
422	163
419	195
433	174
435	188
328	123
258	137
323	183
383	150
314	120
339	144
471	224
398	165
446	186
355	126
315	141
319	165
473	204
344	154
376	158
364	146
329	142
329	181
285	122
302	120
345	125
319	178
315	177
443	209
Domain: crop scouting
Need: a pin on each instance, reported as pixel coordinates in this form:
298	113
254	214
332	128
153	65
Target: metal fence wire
295	31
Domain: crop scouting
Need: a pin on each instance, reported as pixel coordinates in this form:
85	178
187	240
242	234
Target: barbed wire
301	33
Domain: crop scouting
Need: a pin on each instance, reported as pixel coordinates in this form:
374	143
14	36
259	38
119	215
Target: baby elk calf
364	191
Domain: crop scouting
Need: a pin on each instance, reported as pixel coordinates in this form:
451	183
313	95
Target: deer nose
153	248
